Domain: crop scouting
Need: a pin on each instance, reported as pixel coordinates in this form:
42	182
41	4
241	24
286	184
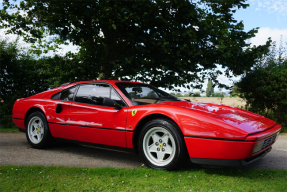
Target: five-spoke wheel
37	130
161	145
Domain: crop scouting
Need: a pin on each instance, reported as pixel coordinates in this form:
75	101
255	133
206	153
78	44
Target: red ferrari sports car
163	129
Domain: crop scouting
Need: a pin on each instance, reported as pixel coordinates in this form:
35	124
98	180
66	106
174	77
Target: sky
271	18
269	15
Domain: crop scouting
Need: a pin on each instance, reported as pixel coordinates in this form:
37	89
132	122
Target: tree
217	95
166	43
196	94
178	95
20	77
209	89
235	91
265	87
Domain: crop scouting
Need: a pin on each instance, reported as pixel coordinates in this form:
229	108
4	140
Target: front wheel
37	131
161	145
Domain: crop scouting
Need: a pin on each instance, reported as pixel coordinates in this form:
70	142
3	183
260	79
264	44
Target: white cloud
271	6
12	37
264	33
64	49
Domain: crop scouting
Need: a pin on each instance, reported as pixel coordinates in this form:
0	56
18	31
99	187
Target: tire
37	131
161	145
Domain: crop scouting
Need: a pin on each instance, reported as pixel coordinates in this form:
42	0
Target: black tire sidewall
172	128
47	135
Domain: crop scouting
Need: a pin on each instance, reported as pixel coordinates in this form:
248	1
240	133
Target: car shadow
70	154
132	160
103	155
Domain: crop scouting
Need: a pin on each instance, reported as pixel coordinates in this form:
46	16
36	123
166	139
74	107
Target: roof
99	81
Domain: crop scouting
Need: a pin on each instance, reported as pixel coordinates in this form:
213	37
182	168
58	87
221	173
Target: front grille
259	155
269	141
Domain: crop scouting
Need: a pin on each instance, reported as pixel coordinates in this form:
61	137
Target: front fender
190	122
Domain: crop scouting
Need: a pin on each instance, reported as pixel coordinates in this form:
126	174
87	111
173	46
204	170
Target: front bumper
230	152
230	162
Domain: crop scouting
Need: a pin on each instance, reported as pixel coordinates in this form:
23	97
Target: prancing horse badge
134	112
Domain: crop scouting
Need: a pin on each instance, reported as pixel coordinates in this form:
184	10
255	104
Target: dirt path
14	150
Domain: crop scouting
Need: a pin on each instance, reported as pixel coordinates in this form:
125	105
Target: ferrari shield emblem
134	112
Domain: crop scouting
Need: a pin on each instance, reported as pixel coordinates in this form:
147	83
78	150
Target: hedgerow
265	87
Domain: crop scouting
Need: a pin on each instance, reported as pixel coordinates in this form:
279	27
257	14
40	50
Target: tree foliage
235	91
217	95
22	75
265	87
196	94
210	88
19	77
178	95
163	42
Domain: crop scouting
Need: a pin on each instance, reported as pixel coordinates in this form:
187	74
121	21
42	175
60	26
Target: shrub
19	75
217	95
178	95
235	91
196	94
265	87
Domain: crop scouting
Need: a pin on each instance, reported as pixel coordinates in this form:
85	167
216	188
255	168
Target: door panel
97	124
57	120
99	136
58	110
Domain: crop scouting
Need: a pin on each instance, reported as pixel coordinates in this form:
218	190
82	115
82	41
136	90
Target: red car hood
244	120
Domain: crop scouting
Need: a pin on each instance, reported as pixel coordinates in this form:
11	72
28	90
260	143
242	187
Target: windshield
142	94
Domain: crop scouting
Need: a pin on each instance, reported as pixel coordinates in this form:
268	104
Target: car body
163	129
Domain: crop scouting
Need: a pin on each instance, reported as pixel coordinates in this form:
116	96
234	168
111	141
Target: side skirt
107	147
22	130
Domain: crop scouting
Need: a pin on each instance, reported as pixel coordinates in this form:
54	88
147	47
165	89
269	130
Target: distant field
234	102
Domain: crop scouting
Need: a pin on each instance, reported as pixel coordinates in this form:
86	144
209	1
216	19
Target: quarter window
68	94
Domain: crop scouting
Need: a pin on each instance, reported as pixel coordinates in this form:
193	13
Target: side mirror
111	103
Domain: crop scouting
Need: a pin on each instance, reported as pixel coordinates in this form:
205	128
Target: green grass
11	130
39	178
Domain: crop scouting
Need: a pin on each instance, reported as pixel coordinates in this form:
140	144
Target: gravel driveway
15	150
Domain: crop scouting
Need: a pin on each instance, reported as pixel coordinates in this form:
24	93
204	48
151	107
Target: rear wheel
161	145
37	131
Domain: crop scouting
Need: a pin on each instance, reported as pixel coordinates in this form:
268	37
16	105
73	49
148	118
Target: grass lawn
39	178
10	130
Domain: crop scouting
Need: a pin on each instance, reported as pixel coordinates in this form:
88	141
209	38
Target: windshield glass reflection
143	94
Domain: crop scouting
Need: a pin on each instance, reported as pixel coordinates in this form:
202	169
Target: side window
92	94
56	96
68	94
115	97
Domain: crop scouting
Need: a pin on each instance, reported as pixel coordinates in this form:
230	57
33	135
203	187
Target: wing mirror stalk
111	103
